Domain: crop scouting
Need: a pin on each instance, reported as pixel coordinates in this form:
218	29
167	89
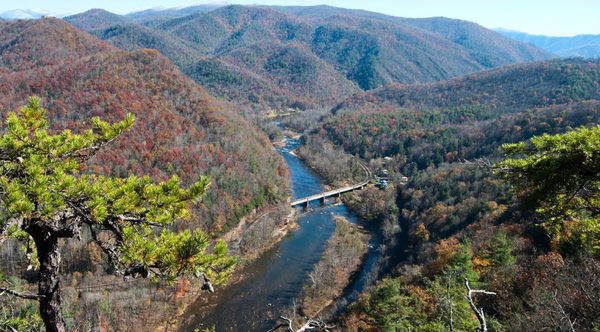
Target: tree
561	174
44	200
392	308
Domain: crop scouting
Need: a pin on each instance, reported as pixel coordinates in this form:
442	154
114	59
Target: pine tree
561	176
44	199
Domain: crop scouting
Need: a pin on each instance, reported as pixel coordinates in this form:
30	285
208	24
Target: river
272	281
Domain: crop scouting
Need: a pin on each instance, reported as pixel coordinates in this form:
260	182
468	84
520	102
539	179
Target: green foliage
561	175
18	314
501	247
42	194
392	308
461	263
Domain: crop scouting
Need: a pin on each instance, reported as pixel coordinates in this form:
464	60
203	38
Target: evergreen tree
561	174
392	309
501	248
45	200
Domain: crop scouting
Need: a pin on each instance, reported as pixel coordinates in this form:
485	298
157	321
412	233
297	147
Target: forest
489	219
179	130
277	57
454	217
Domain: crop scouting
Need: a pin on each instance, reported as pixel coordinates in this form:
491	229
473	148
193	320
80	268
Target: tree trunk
49	283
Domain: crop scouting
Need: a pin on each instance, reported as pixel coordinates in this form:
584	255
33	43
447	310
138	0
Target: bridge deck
335	192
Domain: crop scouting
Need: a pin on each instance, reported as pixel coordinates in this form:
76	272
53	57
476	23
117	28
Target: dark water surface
276	277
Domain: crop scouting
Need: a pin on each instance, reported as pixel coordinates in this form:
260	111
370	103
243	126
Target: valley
482	155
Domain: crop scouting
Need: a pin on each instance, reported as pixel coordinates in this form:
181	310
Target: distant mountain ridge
176	11
307	56
587	46
506	90
26	14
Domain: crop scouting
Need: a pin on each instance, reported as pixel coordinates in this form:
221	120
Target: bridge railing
336	191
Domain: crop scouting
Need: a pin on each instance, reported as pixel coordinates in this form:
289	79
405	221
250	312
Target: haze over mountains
587	46
26	14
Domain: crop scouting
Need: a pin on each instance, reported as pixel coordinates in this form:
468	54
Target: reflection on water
276	277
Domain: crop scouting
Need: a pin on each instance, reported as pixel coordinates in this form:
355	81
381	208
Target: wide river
273	281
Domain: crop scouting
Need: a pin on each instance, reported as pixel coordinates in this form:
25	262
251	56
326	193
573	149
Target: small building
383	173
383	183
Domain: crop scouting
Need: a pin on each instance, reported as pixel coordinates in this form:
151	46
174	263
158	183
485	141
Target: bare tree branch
562	311
478	312
23	296
310	325
9	327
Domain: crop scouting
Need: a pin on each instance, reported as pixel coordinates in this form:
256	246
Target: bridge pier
322	200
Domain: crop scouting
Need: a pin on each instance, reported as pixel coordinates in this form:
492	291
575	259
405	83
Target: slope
490	48
179	128
507	89
318	57
96	19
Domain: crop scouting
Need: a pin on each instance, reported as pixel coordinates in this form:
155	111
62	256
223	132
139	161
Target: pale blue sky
548	17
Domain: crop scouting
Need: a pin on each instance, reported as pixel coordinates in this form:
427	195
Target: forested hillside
310	58
451	218
507	89
179	130
483	44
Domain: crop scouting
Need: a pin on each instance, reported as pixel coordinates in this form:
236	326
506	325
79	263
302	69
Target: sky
538	17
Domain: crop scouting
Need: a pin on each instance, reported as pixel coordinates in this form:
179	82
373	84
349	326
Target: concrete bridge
335	193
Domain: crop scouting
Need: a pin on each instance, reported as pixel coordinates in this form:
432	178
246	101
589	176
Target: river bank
345	256
268	227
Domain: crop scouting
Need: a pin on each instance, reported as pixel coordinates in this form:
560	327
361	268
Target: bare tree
478	312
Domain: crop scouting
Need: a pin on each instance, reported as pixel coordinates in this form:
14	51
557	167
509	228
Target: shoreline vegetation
248	241
344	256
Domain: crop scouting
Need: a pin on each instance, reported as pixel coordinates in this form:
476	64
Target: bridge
337	192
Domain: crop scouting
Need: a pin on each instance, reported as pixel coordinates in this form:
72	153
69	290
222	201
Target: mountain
264	56
452	113
587	46
492	47
177	11
25	14
506	90
179	128
96	19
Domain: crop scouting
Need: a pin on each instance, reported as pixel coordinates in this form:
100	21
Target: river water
275	279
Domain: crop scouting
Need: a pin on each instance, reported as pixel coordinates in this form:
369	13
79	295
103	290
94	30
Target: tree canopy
44	198
561	174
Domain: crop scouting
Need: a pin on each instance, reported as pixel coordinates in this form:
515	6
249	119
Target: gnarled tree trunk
49	283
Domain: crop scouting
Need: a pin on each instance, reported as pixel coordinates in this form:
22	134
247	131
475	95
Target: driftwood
311	325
